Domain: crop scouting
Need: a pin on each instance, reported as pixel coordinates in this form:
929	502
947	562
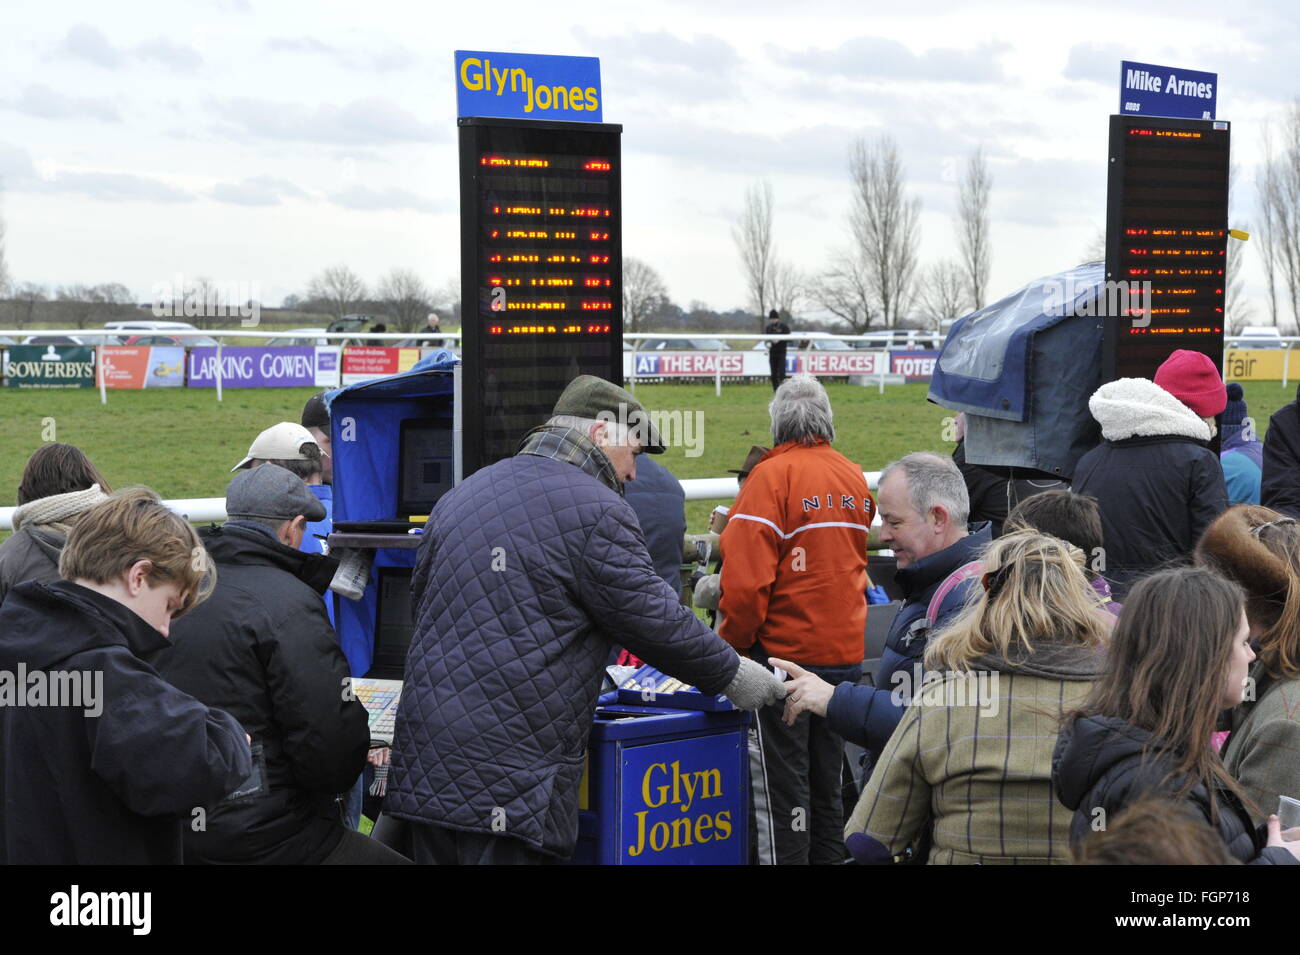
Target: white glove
754	686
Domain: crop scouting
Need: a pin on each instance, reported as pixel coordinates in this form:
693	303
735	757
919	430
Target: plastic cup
1288	810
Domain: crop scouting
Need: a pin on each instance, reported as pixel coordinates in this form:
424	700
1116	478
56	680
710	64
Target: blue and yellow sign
528	86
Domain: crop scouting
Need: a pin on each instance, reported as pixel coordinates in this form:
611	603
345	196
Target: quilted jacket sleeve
621	592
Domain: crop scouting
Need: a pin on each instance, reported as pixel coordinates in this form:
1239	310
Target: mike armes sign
50	366
1149	90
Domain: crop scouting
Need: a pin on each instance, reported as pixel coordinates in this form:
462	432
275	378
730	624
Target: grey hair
801	411
616	432
933	481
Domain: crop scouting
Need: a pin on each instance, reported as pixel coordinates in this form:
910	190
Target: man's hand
804	691
754	686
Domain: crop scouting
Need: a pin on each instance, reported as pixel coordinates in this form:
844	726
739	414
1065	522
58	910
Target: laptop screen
425	464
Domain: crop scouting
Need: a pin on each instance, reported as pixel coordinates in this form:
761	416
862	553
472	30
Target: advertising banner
253	367
50	366
364	363
913	365
328	362
143	366
1149	90
1257	364
752	363
528	86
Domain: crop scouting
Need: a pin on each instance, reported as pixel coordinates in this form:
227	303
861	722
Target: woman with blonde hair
1259	549
970	761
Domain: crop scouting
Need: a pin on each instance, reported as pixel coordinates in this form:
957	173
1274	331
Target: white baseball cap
280	442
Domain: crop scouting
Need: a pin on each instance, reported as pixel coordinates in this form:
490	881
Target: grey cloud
369	122
90	44
365	199
1095	62
299	44
174	56
111	187
394	58
701	68
15	164
258	191
46	103
663	48
874	57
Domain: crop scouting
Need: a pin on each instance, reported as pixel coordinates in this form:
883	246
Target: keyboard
380	698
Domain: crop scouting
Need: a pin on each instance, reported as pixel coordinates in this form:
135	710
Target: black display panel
541	277
1166	242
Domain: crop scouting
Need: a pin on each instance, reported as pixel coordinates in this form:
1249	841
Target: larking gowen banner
253	367
50	366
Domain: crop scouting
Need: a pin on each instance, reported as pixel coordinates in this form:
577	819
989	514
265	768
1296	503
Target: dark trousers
435	845
798	790
357	849
776	365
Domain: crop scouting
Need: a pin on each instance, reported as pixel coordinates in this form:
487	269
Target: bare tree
753	237
339	287
1237	309
25	299
885	225
845	290
973	226
643	293
1268	189
407	299
944	291
1095	250
1285	213
789	287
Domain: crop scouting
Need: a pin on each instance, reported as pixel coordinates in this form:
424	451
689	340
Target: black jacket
262	648
1280	486
117	781
1157	483
1098	764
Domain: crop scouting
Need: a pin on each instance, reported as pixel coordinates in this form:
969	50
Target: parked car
817	341
149	326
302	336
683	344
90	339
1259	336
170	340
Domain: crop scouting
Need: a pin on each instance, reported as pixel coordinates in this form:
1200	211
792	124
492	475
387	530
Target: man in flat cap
531	570
263	646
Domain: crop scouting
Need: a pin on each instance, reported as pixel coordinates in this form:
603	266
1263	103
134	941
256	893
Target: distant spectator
59	484
116	773
1259	549
1074	518
776	350
433	329
379	328
971	757
1153	831
1178	657
1280	469
1154	477
316	419
1241	452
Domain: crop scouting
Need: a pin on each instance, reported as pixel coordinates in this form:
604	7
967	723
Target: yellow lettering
659	829
680	827
707	776
537	95
500	77
528	93
703	823
645	787
576	98
723	821
640	835
477	82
593	103
521	76
560	97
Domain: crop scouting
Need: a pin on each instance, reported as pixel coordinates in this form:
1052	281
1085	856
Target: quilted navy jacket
530	572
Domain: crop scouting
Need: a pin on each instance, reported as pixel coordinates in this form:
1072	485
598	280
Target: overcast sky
256	141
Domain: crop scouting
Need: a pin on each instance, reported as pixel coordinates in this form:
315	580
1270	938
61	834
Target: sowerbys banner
528	86
50	366
263	367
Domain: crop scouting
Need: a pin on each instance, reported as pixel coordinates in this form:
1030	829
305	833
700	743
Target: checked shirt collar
572	447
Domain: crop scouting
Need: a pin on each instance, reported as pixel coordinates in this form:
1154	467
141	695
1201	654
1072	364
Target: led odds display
1166	235
541	282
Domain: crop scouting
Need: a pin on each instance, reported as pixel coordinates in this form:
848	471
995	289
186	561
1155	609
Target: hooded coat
40	530
262	648
1098	765
1280	481
114	787
1157	483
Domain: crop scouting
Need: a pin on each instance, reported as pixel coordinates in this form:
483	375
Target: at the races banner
750	363
364	363
262	367
49	366
145	366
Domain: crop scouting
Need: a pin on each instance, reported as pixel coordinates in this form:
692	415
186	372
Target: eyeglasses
1280	522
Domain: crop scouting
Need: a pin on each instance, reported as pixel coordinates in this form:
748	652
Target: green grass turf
183	442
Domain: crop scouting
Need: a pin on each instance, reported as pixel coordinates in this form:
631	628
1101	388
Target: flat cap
270	492
590	397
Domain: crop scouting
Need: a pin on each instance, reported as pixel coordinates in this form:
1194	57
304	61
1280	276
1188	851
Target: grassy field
183	442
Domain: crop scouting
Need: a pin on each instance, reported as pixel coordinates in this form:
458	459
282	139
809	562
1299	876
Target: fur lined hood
1138	408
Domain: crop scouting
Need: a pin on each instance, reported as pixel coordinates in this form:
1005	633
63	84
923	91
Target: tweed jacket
1263	752
973	756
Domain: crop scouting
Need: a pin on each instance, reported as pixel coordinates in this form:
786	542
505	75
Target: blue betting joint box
665	786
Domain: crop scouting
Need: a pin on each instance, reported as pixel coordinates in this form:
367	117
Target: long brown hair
1165	672
58	468
1035	591
1259	549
